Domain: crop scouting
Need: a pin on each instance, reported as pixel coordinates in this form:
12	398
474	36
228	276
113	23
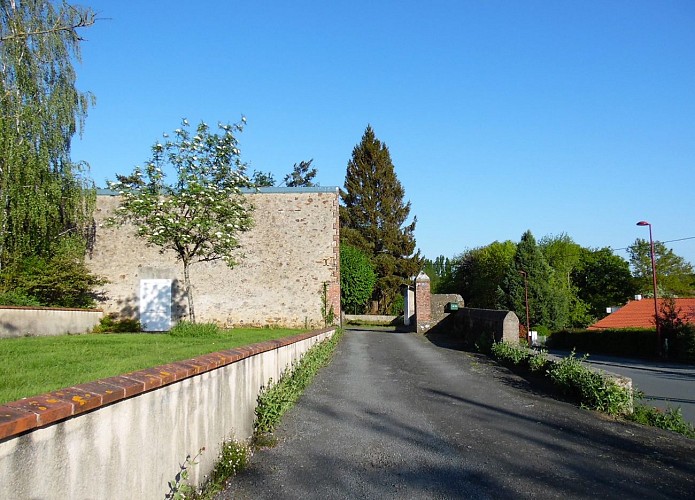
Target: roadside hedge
639	343
631	342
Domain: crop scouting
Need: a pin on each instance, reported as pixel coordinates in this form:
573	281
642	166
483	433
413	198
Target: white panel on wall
155	305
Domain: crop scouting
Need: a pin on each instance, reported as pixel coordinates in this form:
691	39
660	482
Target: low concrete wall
127	436
468	326
40	321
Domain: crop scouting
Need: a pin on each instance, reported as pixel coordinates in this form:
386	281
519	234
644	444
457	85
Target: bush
671	419
589	387
188	329
539	363
484	343
543	331
60	280
398	305
570	376
624	342
357	279
510	354
683	347
18	298
111	324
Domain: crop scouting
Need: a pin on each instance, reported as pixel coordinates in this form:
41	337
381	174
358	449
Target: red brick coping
39	411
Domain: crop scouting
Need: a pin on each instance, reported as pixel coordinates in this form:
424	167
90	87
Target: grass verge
35	365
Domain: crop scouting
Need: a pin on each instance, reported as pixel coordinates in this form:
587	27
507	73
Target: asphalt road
663	384
394	416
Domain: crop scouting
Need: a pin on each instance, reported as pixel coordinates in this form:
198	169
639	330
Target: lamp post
656	303
528	323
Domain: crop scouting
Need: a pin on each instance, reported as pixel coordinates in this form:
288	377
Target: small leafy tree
262	179
675	275
357	278
479	273
603	279
677	330
302	175
198	216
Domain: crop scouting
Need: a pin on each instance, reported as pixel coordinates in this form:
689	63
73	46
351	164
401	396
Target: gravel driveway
395	416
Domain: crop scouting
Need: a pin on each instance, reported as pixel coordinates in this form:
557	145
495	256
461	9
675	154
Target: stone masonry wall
283	265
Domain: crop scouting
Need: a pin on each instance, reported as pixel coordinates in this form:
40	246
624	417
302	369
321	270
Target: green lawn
34	365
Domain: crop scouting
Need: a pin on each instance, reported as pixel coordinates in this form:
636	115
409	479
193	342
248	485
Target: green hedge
625	342
632	342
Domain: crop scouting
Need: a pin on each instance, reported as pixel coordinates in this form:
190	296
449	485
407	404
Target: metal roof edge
263	190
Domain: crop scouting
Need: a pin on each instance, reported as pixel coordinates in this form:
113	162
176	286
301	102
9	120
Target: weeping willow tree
45	197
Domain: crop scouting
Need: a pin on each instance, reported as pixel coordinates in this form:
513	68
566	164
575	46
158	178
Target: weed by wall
276	398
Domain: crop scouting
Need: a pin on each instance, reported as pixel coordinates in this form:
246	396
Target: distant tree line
568	285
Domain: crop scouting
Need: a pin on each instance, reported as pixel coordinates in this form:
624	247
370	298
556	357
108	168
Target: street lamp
656	303
528	324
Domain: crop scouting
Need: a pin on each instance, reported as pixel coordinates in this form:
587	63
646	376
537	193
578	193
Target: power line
667	241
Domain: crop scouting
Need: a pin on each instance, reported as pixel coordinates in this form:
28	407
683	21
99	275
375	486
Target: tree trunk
189	292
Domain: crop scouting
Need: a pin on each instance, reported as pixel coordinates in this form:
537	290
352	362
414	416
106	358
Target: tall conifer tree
545	301
373	218
43	195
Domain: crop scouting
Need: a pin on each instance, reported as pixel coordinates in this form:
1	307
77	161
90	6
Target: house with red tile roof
640	314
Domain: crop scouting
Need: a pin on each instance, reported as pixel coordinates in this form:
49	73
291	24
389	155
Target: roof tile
640	314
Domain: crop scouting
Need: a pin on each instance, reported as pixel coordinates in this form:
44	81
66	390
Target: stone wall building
288	264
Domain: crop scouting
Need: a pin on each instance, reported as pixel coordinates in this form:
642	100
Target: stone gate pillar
423	303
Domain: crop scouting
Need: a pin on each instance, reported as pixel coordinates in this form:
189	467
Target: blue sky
500	116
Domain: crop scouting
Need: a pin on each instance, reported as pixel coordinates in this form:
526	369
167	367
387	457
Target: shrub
670	419
111	324
484	343
624	342
357	278
570	376
683	348
61	280
539	363
18	298
188	329
542	330
398	305
510	354
591	388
